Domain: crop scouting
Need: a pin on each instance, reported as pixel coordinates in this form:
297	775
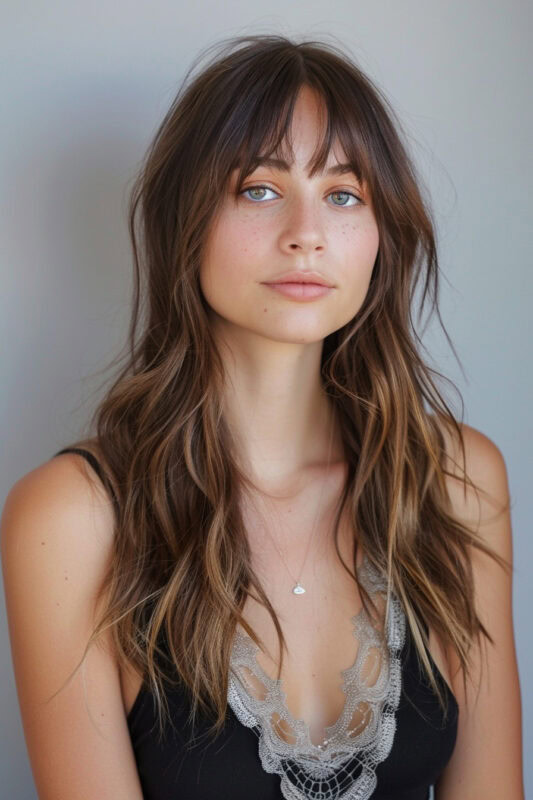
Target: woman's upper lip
297	276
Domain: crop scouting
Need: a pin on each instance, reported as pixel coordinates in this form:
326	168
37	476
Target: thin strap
95	464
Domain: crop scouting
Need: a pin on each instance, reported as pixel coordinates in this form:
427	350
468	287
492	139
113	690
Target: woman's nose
303	226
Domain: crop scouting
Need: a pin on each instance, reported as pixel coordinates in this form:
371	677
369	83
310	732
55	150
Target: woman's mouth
300	291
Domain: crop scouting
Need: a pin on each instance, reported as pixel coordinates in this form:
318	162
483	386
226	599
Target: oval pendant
298	589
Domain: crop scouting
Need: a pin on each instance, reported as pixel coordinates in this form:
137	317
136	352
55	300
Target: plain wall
84	88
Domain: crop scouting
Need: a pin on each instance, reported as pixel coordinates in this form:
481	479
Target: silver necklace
298	589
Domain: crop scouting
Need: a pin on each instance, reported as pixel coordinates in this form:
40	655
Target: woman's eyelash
337	191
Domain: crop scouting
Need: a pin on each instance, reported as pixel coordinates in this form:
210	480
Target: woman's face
294	223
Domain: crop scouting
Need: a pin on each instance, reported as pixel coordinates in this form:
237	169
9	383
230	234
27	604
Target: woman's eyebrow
284	166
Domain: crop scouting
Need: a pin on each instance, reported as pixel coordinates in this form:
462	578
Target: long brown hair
181	567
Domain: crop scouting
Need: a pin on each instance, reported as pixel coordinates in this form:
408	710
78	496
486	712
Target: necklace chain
298	589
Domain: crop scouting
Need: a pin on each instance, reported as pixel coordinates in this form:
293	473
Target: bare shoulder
484	465
56	530
483	505
483	764
66	485
60	513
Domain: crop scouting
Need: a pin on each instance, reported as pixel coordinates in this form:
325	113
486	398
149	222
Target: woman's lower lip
300	291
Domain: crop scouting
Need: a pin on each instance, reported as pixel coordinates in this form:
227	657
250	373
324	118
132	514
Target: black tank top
229	765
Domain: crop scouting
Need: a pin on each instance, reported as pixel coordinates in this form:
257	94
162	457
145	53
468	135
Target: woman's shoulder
490	697
478	458
60	502
483	505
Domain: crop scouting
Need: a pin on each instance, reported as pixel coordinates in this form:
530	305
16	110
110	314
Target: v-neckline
367	636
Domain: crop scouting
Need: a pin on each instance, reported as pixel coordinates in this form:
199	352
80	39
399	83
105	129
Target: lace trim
326	771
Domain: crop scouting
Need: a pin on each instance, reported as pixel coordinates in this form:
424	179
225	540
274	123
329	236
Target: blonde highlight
181	568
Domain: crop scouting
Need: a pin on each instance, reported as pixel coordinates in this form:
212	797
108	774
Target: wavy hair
181	569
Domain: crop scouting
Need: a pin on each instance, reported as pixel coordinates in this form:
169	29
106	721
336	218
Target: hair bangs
269	135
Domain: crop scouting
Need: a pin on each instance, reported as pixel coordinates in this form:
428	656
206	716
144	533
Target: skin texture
274	343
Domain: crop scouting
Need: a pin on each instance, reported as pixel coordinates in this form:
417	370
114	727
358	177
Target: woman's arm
56	537
487	759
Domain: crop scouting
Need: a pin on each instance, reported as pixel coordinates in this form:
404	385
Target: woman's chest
323	632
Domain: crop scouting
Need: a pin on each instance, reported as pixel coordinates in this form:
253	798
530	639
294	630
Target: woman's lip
300	291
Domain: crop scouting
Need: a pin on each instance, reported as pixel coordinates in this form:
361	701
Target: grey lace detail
327	771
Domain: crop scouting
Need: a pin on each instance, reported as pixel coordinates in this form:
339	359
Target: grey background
84	87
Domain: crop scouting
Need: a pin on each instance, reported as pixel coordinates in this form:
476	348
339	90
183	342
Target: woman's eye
255	190
346	194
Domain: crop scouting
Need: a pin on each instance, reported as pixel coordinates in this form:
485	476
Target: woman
292	575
